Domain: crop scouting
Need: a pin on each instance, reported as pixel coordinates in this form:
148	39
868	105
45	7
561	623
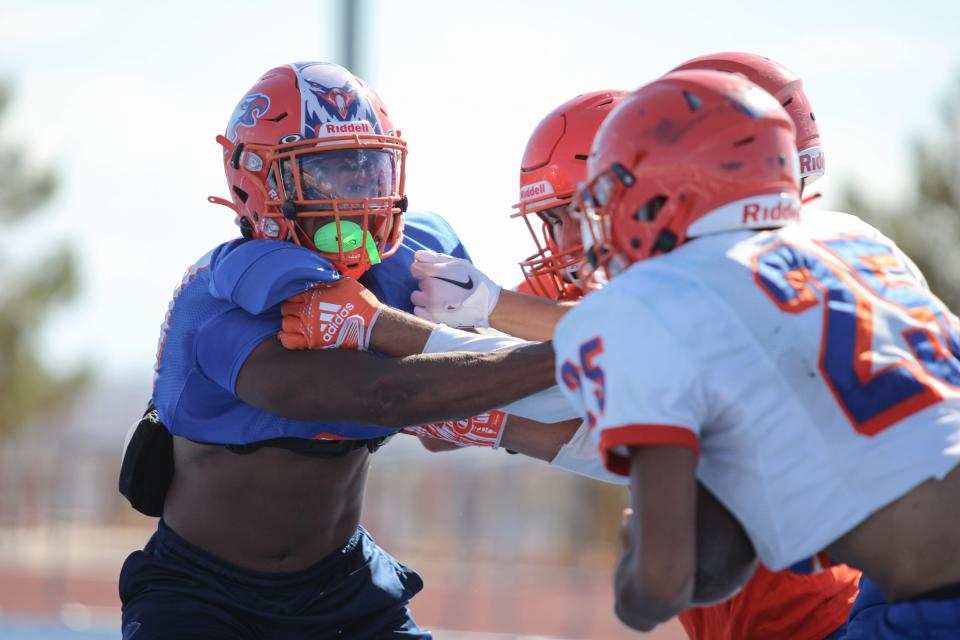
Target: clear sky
125	99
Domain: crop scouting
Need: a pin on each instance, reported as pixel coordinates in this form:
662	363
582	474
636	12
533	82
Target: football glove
452	291
336	315
484	430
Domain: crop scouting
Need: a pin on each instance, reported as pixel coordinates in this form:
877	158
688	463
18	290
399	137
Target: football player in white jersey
801	370
807	607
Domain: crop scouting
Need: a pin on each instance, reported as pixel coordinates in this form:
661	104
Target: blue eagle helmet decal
250	109
332	95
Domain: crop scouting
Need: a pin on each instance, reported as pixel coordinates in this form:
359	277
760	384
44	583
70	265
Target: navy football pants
173	589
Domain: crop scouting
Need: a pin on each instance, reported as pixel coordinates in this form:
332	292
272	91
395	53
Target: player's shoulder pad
633	298
840	221
586	314
432	231
258	274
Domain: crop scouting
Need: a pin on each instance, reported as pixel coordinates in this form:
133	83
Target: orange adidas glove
338	315
483	430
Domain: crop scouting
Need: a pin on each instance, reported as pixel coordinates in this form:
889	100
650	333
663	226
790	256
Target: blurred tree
27	388
927	224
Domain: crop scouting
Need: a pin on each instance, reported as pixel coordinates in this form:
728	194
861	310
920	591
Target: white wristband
444	339
547	406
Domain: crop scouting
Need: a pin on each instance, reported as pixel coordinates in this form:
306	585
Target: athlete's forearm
399	334
354	386
655	577
443	386
535	439
527	317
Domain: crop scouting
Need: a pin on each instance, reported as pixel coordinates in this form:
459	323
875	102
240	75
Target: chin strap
222	201
246	229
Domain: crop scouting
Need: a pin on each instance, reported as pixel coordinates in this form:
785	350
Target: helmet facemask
552	272
354	183
601	262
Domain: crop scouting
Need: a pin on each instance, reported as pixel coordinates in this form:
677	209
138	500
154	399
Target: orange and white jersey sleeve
633	381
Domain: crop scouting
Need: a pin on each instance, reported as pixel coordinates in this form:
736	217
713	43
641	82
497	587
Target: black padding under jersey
147	467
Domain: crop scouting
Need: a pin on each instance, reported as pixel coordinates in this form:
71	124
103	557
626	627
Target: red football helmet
693	153
787	88
554	163
309	139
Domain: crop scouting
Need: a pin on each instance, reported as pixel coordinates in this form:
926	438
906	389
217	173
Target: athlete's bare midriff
911	545
271	510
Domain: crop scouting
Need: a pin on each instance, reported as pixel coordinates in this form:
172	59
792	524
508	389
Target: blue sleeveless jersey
229	302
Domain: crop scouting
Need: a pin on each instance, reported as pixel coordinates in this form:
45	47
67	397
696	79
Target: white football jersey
810	366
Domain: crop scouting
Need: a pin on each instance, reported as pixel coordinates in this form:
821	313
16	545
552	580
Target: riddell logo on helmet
811	161
782	211
345	128
536	190
755	212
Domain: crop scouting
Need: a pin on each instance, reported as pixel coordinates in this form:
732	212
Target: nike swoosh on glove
452	291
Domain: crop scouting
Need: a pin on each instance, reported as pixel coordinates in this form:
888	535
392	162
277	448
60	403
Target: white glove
452	291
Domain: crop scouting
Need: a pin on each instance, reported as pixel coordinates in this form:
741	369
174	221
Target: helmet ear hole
235	156
240	193
693	101
665	242
648	212
246	229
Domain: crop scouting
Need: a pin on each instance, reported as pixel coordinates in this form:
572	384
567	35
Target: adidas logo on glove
338	322
332	315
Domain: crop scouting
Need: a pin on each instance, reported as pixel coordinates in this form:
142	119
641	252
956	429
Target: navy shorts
173	589
933	616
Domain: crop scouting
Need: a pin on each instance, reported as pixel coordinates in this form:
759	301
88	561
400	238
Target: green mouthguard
325	239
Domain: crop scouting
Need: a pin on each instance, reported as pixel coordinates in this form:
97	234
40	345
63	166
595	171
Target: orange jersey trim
642	435
323	435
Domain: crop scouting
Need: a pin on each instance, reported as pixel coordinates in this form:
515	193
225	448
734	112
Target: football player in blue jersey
256	455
